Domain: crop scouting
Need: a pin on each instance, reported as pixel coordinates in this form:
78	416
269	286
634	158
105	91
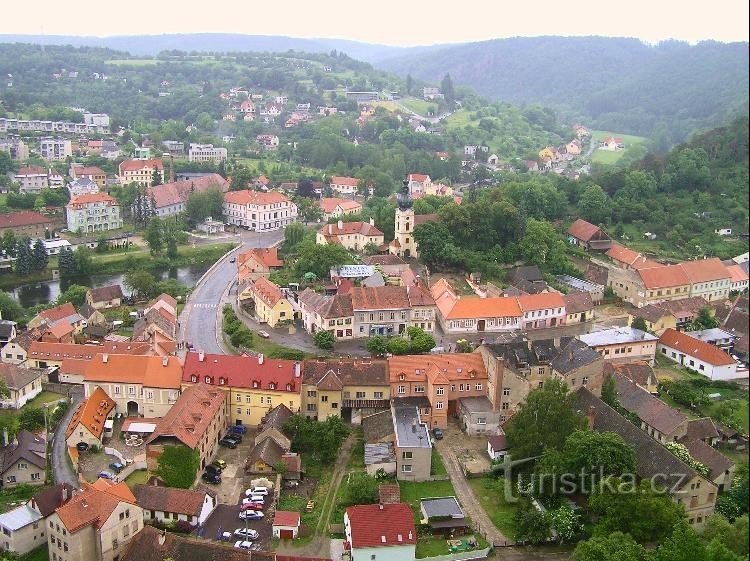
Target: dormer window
208	379
271	386
401	377
222	381
289	387
193	378
256	384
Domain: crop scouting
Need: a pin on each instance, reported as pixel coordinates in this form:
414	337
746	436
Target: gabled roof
638	372
663	276
695	348
267	291
339	180
651	313
106	293
18	518
150	371
716	462
702	428
17	377
247	197
329	204
470	308
541	301
148	545
43	350
705	270
29	447
577	302
349	372
266	256
381	525
94	505
30	170
92	413
26	338
582	230
58	312
452	366
419	177
347	228
91	198
22	218
286	518
48	500
737	273
191	415
276	417
330	382
137	165
625	255
379	298
169	499
178	192
243	371
377	426
651	410
268	451
573	355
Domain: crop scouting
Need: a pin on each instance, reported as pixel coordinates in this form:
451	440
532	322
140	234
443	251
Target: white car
240	544
256	491
246	533
251	515
261	499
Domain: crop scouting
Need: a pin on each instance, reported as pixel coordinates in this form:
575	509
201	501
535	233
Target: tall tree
609	392
446	86
154	235
613	547
156	178
39	256
24	257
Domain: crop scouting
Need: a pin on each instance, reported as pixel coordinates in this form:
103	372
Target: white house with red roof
259	211
286	524
93	212
335	208
351	235
171	198
380	532
418	183
611	143
344	185
698	355
140	171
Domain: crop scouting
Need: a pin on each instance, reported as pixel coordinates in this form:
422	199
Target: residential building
626	258
95	524
579	307
87	423
404	244
351	235
336	208
139	385
474	315
344	388
389	310
94	212
497	447
206	153
7	331
22	530
738	278
197	420
259	211
653	461
104	297
43	354
151	544
477	416
23	384
171	198
92	173
721	469
709	278
417	184
412	443
285	525
327	313
622	344
268	141
16	350
516	368
167	504
25	223
443	514
542	310
36	125
656	318
24	461
380	532
588	236
16	147
596	291
55	149
140	171
257	262
82	186
64	314
255	384
269	303
31	179
344	185
639	373
697	355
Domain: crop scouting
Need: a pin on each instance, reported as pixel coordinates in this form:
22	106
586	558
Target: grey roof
47	500
476	404
651	457
529	273
713	334
376	279
442	506
420	401
574	355
379	453
716	462
649	409
277	416
19	517
17	377
579	284
6	328
577	302
30	447
615	336
410	432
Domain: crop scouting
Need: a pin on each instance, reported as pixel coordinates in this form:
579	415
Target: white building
381	532
169	504
94	212
259	211
344	185
55	148
697	355
31	179
82	186
22	530
206	153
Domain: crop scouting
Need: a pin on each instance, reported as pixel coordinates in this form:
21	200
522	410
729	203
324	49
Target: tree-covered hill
664	92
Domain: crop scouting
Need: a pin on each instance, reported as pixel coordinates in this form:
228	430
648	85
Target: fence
461	556
64	389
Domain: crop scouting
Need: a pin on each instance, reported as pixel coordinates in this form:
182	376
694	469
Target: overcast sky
392	22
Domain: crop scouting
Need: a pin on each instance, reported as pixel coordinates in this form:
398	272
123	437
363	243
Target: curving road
199	319
62	470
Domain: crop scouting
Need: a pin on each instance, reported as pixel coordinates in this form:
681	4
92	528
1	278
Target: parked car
117	467
209	477
239	429
257	499
82	446
251	515
246	533
241	544
437	433
233	260
107	475
257	491
232	436
264	334
211	468
247	504
228	442
221	464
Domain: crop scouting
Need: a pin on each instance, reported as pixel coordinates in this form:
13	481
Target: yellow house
271	306
546	154
344	388
255	384
657	319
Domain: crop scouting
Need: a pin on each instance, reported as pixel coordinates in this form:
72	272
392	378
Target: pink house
542	310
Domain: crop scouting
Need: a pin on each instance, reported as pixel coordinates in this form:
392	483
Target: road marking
205	305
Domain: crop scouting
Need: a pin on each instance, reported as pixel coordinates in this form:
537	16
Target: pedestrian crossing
205	305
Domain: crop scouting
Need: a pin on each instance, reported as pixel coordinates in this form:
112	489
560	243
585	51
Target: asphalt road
198	321
61	467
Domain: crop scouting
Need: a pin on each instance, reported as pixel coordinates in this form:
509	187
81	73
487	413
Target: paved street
199	319
61	468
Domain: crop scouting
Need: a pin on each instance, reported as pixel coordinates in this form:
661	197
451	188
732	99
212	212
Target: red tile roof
58	351
381	525
286	518
22	218
629	257
470	307
169	499
454	366
177	192
266	256
247	197
191	415
31	170
267	291
329	204
364	228
696	348
737	274
92	413
94	505
350	181
150	371
379	298
81	171
705	270
243	371
664	276
58	312
542	301
89	198
420	177
137	165
582	230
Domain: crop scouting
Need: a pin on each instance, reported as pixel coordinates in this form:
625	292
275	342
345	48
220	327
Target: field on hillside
419	106
610	158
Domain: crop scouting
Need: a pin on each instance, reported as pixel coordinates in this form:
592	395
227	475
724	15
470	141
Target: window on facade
324	398
407	455
402	389
478	387
406	468
439	405
481	420
378	395
506	391
504	406
360	395
440	391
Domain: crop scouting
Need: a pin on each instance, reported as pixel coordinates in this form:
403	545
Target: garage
286	524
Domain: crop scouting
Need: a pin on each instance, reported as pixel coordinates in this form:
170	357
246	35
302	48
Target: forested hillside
664	92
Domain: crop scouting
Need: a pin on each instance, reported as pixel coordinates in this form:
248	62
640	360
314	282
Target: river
29	295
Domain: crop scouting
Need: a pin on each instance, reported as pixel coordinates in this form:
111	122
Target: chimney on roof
330	228
165	361
5	437
105	358
372	222
341	224
201	356
297	369
260	358
65	494
590	414
162	537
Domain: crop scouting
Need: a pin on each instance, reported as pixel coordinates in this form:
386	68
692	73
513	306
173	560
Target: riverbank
121	262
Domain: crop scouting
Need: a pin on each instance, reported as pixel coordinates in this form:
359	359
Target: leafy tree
306	188
141	283
102	246
294	233
31	418
9	242
66	264
733	535
613	547
609	392
594	204
309	209
75	294
531	525
10	309
377	345
319	259
419	340
704	320
639	323
321	439
154	235
24	258
156	178
82	262
362	489
684	393
446	87
397	346
324	339
201	205
544	421
177	466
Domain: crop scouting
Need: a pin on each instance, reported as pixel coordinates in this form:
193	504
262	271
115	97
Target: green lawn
138	477
357	459
419	106
13	497
459	119
292	502
606	157
38	554
490	494
610	158
45	397
414	492
437	468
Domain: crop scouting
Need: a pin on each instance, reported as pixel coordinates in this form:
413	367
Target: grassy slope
611	158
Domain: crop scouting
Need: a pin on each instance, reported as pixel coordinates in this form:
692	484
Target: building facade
206	153
95	212
258	211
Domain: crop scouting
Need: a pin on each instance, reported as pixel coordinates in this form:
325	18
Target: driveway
62	468
233	478
226	518
470	451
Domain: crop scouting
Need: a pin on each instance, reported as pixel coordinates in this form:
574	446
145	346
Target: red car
252	506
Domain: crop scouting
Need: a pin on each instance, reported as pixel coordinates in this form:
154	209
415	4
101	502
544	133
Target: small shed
497	447
210	226
286	524
443	514
378	456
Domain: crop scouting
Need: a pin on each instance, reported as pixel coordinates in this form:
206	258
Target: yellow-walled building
255	384
271	306
344	388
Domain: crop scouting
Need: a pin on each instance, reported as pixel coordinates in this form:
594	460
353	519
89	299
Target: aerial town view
450	285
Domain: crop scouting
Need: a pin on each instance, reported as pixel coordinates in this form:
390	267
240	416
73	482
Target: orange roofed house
390	310
93	212
140	171
438	384
588	236
87	424
198	419
171	198
335	208
697	355
259	211
257	262
344	185
351	235
95	524
375	532
139	385
269	302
